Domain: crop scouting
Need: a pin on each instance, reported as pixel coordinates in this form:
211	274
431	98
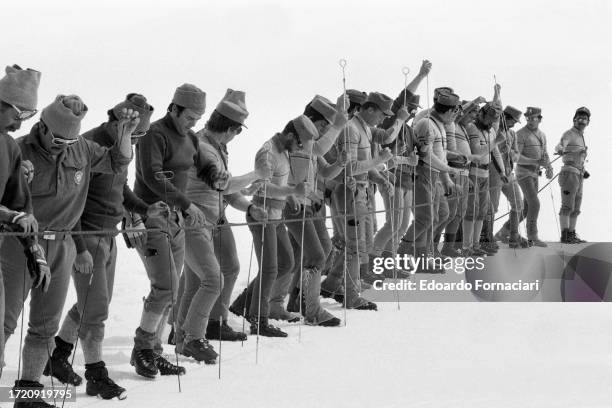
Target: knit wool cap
190	97
64	115
233	106
19	87
382	101
305	129
139	104
324	107
513	113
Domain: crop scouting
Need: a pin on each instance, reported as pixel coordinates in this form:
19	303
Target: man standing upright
533	155
508	148
573	149
211	261
163	159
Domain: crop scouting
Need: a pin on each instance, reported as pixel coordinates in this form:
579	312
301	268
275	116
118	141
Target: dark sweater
164	148
107	194
14	192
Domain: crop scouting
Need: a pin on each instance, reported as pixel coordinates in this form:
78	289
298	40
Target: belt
55	235
480	166
458	165
273	203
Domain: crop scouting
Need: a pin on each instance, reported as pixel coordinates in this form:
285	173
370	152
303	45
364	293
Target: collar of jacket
222	147
169	124
33	139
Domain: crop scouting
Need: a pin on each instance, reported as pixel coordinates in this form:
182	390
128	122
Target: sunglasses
238	130
60	141
136	135
23	114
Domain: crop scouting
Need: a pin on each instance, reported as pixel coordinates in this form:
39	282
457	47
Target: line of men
450	164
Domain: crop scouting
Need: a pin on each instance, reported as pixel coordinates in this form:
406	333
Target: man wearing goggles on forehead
107	195
18	95
59	190
573	149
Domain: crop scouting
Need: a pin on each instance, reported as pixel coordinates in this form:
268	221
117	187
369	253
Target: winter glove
586	175
37	267
136	239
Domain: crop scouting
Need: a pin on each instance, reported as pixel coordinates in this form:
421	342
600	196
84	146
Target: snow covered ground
422	355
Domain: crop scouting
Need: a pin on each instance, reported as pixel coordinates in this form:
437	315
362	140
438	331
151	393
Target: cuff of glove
17	217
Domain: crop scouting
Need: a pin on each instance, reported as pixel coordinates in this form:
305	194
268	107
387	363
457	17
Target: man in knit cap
533	155
573	150
271	240
63	165
211	260
18	101
164	157
107	196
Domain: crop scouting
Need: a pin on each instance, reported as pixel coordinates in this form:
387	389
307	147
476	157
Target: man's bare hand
83	263
425	68
28	223
127	123
28	170
195	216
158	209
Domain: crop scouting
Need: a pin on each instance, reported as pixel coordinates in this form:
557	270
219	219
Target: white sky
552	54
